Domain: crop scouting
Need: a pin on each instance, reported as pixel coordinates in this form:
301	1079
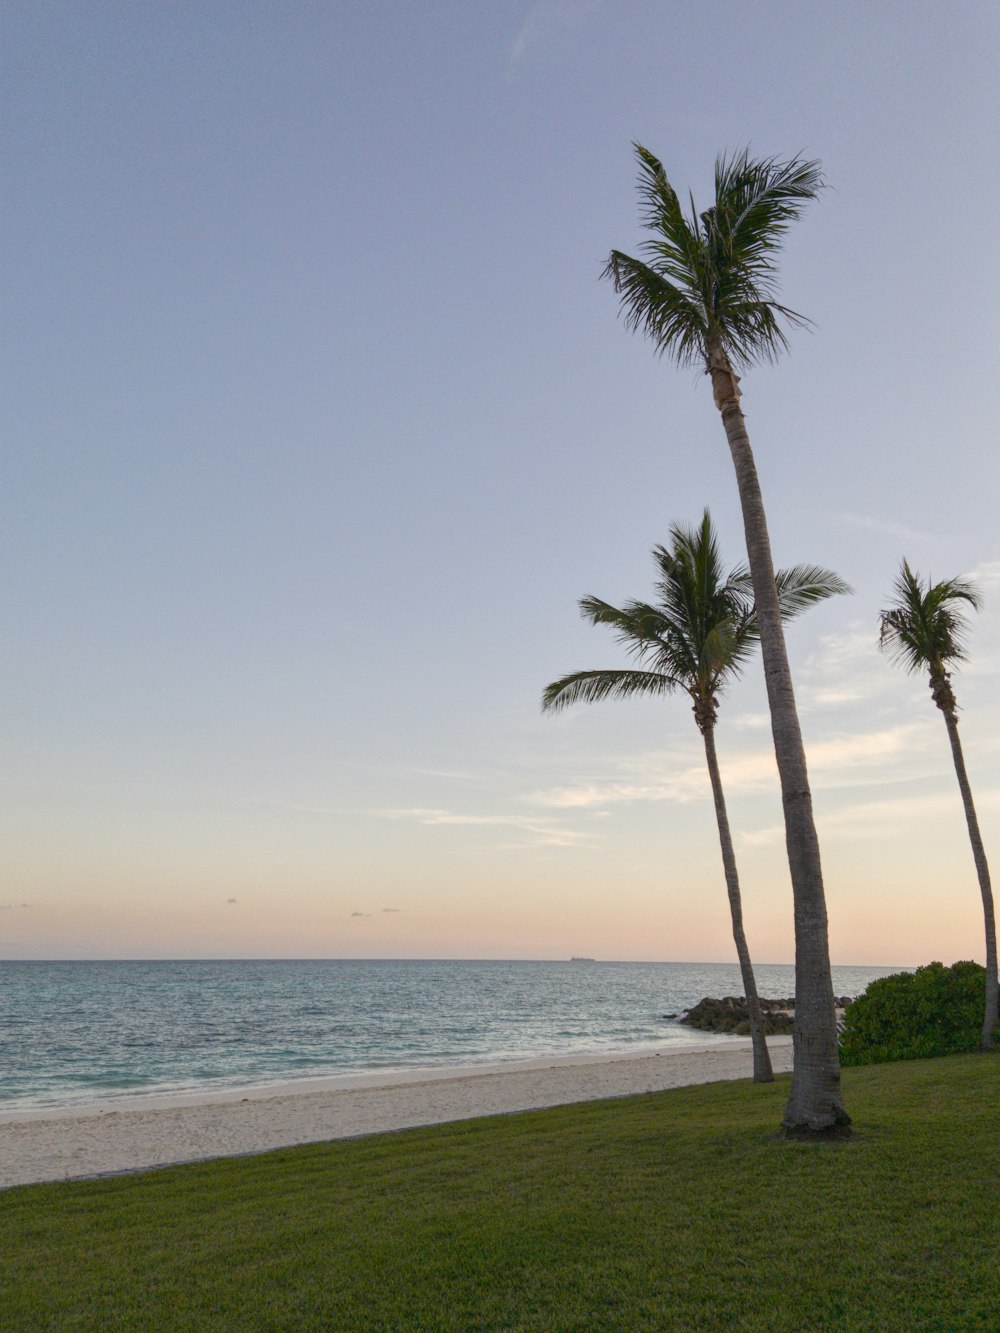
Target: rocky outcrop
731	1015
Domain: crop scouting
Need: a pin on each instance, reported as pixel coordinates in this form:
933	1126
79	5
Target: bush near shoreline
933	1011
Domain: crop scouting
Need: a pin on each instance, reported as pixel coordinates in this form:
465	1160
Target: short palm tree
707	298
696	638
925	631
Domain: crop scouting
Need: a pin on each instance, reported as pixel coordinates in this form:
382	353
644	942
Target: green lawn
674	1210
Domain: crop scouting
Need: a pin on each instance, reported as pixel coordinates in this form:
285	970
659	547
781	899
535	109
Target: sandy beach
133	1134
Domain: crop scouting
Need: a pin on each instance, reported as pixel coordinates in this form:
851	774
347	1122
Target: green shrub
935	1010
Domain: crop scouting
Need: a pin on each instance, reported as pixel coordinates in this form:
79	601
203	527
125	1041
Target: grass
670	1211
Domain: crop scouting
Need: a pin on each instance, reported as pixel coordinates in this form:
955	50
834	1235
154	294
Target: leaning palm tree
696	638
925	631
707	297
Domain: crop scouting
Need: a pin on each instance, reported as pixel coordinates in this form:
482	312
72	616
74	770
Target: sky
319	421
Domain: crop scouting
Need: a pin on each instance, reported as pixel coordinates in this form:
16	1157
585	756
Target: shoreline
155	1130
168	1097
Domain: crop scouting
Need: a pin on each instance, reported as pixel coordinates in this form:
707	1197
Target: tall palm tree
707	297
696	638
925	631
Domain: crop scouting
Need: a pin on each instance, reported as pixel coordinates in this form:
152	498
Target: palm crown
698	635
925	629
711	279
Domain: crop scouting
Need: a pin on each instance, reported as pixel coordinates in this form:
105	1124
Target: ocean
76	1032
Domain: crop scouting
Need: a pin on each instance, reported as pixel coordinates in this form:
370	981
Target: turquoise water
73	1032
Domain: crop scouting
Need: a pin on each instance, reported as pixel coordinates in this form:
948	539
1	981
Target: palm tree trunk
815	1104
990	1016
762	1072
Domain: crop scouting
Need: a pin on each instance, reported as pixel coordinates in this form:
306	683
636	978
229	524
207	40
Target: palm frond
712	610
925	629
659	308
599	612
725	650
592	686
755	203
630	620
736	649
676	241
748	327
654	635
803	586
896	637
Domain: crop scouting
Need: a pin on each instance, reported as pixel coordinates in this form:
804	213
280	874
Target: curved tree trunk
990	1017
762	1072
815	1104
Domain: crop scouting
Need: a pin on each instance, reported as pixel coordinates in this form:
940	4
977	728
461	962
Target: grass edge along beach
673	1210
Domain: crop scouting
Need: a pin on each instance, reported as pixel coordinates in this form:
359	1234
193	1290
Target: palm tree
708	298
925	631
696	638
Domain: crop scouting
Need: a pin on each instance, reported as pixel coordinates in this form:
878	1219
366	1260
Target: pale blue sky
319	421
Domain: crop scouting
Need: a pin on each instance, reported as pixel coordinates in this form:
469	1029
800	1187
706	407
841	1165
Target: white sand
132	1134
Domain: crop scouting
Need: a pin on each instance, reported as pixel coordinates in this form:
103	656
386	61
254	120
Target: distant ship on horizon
574	959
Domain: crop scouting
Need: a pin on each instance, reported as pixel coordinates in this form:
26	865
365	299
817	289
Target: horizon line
240	958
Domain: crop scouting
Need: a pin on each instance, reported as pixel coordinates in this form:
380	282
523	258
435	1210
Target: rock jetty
731	1015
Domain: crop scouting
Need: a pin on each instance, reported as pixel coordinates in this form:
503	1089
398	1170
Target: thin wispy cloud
549	20
676	774
865	749
682	788
542	832
905	752
845	669
524	37
987	573
750	722
871	819
763	837
887	816
886	527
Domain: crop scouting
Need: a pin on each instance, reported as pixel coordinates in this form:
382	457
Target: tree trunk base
840	1132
